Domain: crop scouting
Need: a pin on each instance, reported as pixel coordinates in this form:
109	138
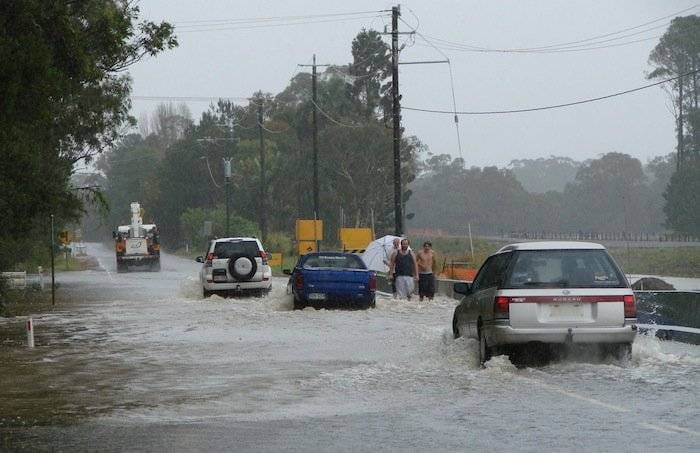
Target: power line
190	98
563	50
583	44
452	82
211	175
556	106
333	120
275	18
250	27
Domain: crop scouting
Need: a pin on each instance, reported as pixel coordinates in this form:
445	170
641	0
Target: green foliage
192	222
63	99
683	200
545	174
280	243
609	194
178	176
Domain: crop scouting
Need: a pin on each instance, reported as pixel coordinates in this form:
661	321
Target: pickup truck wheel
298	305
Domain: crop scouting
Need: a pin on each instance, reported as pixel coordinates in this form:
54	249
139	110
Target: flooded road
140	362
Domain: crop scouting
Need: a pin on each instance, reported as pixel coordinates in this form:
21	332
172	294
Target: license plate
219	278
317	296
567	311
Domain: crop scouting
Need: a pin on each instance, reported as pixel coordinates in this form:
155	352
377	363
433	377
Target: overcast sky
239	62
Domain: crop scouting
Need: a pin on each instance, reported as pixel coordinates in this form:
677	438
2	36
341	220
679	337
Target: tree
610	194
64	98
682	196
371	66
544	174
676	54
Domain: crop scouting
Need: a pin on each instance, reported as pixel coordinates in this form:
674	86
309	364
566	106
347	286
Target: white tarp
378	252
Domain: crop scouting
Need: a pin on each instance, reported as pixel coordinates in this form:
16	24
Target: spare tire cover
242	267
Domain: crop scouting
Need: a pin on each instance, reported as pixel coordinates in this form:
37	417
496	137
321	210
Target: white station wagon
547	292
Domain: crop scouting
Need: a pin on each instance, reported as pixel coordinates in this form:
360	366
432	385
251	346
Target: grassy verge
458	249
671	262
14	302
75	263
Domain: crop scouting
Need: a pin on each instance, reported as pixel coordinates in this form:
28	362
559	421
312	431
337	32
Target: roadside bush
279	243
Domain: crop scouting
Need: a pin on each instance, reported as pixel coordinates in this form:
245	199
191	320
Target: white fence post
30	333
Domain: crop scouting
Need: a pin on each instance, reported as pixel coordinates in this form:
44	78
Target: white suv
235	265
547	292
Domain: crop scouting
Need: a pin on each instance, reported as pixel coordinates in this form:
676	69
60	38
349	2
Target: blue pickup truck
331	279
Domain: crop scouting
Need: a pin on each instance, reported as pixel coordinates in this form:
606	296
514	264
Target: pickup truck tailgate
335	281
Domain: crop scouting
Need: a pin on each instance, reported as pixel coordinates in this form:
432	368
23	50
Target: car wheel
155	267
484	350
206	293
455	328
620	351
298	305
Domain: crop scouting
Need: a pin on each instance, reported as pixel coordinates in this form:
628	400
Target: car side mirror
462	288
199	259
287	271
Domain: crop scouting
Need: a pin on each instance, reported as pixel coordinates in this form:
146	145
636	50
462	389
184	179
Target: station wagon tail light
501	307
372	281
630	306
299	281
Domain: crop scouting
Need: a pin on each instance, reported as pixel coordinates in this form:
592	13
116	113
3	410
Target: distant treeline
612	194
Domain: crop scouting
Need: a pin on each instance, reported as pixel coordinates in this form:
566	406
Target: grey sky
239	62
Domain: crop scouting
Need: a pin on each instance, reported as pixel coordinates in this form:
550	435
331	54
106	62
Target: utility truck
137	244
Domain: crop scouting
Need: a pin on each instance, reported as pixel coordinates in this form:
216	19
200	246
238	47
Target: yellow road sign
305	247
355	240
307	232
275	259
65	237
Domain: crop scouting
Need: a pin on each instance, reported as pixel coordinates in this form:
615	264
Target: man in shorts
392	279
425	259
403	266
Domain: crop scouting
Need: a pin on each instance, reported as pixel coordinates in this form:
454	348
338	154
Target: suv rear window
228	249
334	262
564	269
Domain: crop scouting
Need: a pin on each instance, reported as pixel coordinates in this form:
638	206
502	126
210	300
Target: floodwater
140	362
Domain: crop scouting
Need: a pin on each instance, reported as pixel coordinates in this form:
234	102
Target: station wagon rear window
228	249
564	269
334	262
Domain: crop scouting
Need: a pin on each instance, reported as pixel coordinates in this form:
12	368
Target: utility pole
681	146
314	123
53	270
227	185
263	182
314	98
396	114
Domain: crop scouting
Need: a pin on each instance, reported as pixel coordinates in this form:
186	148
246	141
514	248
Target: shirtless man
425	258
388	261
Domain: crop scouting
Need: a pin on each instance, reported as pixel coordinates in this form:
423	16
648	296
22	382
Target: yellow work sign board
355	240
275	259
309	230
65	237
305	247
